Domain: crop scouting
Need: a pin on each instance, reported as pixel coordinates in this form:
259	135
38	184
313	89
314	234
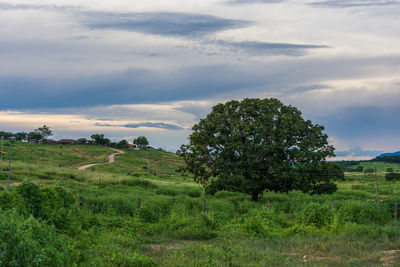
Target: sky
127	68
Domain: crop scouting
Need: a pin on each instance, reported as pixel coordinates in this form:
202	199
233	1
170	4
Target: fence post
99	180
396	210
268	204
333	204
79	202
138	204
204	205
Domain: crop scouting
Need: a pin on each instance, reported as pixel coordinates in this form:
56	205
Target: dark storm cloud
176	24
134	86
138	86
158	125
364	122
162	23
352	3
266	48
301	89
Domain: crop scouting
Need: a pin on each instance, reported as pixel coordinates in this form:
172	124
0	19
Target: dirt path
111	159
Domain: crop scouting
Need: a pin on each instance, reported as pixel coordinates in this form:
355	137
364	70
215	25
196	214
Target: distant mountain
389	154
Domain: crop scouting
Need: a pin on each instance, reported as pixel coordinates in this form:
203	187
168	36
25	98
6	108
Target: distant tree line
37	134
100	139
42	133
388	159
350	166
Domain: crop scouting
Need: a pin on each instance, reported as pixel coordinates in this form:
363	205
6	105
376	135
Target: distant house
33	141
133	147
66	142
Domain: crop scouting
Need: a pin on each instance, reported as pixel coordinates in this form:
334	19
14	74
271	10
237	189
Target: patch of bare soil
389	257
111	159
79	151
308	258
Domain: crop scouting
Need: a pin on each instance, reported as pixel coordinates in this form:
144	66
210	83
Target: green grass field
67	217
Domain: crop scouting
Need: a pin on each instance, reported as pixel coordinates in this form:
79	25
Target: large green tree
259	144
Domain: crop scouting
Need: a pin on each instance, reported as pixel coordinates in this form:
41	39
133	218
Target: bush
57	205
166	191
369	170
361	212
32	198
199	227
263	222
148	215
317	215
194	193
140	183
392	176
136	259
113	204
29	243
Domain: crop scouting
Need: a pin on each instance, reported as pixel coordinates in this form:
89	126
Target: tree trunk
254	196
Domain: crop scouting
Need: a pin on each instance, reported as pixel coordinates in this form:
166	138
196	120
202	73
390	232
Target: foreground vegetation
55	215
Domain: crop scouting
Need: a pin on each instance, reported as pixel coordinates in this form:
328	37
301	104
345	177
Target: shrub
148	215
262	222
392	176
361	212
32	198
317	215
113	204
136	259
57	205
166	191
29	243
199	227
194	193
369	170
10	200
140	183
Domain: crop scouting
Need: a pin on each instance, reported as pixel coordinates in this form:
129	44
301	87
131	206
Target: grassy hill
67	216
61	162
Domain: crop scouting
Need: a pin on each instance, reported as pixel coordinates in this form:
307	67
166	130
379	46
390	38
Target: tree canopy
99	139
44	132
141	141
259	144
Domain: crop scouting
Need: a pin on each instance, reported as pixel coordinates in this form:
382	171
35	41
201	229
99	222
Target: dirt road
111	159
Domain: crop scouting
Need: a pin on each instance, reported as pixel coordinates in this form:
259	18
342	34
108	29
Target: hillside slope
44	161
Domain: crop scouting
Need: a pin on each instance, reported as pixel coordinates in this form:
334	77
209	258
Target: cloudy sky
127	68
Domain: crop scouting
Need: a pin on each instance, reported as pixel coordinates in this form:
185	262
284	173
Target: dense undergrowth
62	220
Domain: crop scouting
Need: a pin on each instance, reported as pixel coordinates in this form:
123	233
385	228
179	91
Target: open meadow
138	211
